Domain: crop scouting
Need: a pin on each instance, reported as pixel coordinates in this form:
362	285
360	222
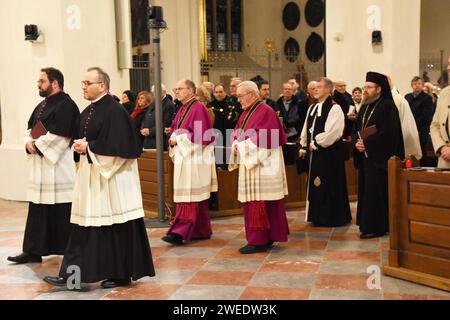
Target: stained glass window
223	25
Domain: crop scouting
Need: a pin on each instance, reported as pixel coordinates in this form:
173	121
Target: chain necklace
365	121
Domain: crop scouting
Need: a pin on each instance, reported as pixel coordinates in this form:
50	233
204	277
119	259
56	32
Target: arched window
223	25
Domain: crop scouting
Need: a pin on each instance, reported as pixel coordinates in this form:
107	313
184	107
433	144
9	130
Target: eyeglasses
88	83
240	96
179	89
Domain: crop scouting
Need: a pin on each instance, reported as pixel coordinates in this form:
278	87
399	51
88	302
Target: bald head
209	86
341	86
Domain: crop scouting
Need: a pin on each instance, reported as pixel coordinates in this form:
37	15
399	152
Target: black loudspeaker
156	18
377	37
31	32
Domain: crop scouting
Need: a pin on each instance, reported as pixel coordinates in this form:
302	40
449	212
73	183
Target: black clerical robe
51	177
108	238
373	205
423	110
344	100
327	197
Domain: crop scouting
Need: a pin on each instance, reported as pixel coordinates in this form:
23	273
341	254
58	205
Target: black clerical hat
382	81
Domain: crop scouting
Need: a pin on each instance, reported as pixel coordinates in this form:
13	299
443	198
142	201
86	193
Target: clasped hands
80	146
172	142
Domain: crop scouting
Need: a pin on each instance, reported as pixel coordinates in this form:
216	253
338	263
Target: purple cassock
192	219
265	221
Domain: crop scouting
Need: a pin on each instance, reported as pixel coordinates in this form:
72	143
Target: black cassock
373	204
423	111
118	251
345	101
48	225
327	187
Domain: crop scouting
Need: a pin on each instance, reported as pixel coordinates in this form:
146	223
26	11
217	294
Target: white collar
98	99
317	107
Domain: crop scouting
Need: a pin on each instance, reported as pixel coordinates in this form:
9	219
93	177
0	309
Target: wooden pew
149	183
419	207
228	187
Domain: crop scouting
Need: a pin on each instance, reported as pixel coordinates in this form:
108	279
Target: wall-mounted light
377	37
32	33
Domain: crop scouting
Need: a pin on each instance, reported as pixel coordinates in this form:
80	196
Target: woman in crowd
144	99
128	101
202	94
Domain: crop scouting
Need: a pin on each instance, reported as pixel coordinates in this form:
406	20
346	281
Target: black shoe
173	238
252	249
56	281
200	238
270	244
25	258
113	283
368	235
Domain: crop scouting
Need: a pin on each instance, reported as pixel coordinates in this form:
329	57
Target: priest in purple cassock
257	143
192	151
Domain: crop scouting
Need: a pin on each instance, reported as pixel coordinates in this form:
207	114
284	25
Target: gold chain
365	121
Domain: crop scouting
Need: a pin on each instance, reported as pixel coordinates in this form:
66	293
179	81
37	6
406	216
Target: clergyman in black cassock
109	240
371	154
321	140
52	171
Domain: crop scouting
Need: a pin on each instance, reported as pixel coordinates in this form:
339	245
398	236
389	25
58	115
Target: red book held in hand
367	132
38	130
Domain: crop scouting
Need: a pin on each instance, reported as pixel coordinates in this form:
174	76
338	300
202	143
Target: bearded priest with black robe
52	171
321	139
109	240
377	137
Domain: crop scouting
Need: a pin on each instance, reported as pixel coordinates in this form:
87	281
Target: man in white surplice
52	170
108	241
194	178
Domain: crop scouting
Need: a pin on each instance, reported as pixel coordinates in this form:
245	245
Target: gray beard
370	100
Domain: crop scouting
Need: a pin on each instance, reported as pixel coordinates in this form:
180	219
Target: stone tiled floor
316	263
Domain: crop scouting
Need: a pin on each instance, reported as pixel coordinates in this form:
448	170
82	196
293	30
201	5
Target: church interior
218	41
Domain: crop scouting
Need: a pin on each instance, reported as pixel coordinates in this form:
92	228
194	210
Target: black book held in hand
38	130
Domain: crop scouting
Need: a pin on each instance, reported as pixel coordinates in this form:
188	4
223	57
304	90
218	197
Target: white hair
208	83
163	88
250	86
